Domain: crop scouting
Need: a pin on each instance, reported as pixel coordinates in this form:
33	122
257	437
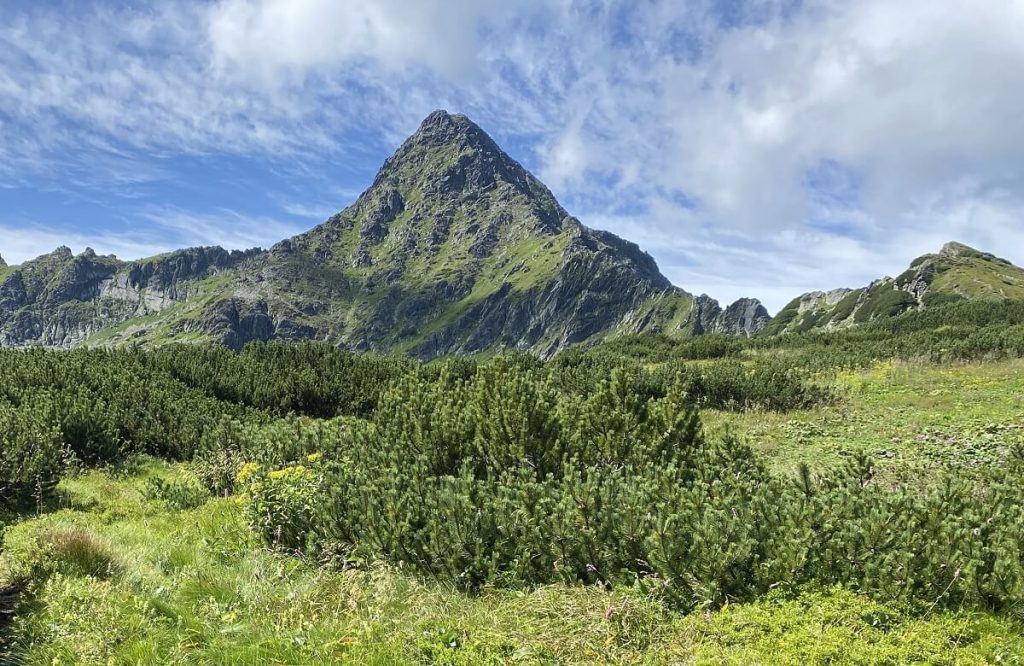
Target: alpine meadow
455	424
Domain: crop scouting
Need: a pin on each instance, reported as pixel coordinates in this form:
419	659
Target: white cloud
695	137
922	101
272	38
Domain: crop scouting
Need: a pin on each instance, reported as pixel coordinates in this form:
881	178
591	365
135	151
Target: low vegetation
194	586
854	496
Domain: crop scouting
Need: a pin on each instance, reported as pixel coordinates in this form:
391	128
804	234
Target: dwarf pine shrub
499	480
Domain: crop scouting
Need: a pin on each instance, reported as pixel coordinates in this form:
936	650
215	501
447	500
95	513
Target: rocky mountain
956	272
454	248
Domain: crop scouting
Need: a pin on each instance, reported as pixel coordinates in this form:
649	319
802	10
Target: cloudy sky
754	147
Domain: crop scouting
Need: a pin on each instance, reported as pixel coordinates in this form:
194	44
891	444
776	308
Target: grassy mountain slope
955	273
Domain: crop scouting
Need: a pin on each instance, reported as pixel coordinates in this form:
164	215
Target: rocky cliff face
956	272
745	317
61	300
454	248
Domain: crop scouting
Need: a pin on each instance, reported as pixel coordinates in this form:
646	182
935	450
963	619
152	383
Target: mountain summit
454	248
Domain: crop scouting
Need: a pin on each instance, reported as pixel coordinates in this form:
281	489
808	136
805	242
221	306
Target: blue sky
754	147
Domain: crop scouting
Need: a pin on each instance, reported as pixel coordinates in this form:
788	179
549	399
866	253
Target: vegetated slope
513	472
956	273
178	578
454	248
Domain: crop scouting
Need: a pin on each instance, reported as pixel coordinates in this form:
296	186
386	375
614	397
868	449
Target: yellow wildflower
247	472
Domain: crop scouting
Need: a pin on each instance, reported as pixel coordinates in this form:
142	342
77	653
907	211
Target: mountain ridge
454	248
956	272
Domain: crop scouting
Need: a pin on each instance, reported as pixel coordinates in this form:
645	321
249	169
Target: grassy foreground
119	576
905	415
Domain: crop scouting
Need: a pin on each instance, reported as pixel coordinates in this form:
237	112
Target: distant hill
956	273
454	248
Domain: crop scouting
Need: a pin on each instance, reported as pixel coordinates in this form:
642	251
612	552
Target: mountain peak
450	167
954	249
443	128
442	118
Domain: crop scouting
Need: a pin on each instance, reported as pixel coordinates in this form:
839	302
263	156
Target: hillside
454	248
956	273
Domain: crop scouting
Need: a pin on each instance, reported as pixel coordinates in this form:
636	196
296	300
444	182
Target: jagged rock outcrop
746	317
454	248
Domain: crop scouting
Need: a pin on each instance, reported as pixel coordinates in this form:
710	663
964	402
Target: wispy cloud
753	147
227	228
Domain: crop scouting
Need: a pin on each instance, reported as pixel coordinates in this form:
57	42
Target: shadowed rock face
454	248
745	317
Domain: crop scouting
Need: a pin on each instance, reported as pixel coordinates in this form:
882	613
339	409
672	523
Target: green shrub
499	480
884	302
176	494
32	457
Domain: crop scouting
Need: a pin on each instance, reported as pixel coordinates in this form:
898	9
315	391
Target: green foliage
884	301
231	443
194	588
176	494
935	299
514	472
310	378
837	626
784	318
765	384
657	348
728	383
32	456
282	504
499	480
844	308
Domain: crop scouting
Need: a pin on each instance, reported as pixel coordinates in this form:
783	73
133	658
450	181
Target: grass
906	415
75	551
156	584
981	278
